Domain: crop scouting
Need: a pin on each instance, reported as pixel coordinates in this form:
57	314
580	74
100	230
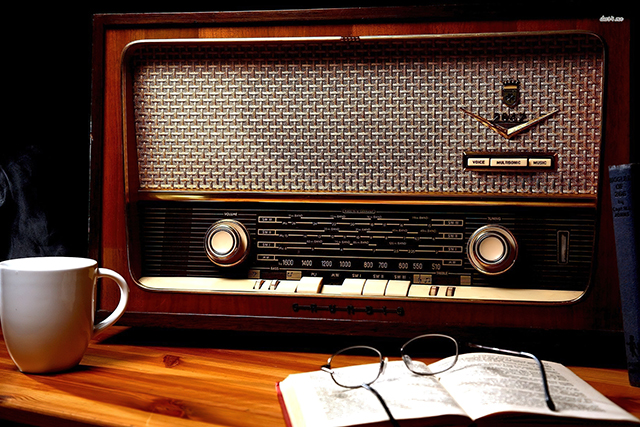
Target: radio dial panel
348	250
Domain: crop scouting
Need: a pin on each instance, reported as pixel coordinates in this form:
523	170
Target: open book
488	389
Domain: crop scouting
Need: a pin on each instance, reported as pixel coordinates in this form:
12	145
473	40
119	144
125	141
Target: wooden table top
149	377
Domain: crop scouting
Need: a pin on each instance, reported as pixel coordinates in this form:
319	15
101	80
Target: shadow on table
570	348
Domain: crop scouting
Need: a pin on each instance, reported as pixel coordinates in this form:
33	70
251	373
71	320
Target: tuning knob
227	243
492	249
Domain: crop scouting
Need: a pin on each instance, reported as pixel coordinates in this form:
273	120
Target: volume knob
492	249
227	243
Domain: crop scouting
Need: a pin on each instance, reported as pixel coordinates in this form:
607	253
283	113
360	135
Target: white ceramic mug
47	307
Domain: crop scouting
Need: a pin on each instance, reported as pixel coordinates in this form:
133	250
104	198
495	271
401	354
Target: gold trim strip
470	199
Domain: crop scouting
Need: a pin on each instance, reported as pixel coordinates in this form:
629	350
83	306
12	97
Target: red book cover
283	406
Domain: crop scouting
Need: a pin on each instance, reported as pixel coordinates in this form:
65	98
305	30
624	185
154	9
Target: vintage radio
359	171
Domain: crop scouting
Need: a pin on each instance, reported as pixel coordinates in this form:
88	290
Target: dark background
47	81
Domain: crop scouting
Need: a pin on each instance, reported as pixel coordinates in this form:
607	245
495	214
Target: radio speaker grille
363	117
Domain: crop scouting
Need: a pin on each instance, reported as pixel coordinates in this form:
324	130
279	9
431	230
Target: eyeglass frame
407	359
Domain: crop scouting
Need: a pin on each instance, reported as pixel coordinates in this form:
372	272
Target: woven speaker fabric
364	117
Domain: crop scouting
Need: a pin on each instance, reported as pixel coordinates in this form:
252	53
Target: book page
489	383
323	403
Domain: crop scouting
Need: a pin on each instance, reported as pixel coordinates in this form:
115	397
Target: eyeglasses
366	364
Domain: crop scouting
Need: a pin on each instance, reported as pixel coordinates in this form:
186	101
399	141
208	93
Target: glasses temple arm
545	383
384	404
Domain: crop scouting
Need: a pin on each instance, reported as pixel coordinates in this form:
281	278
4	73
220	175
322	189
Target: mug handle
124	298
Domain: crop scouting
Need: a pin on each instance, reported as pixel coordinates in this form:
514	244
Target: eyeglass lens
422	350
355	366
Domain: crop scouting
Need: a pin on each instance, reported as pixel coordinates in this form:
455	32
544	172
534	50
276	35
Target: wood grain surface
159	377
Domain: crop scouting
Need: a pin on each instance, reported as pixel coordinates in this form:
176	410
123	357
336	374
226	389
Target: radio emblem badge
509	125
511	93
510	131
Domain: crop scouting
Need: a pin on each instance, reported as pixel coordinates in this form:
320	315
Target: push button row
359	287
516	161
